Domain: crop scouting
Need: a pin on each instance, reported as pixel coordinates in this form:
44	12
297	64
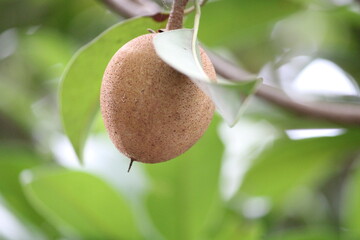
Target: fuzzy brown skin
152	112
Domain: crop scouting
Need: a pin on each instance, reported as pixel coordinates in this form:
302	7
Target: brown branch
334	112
176	15
130	8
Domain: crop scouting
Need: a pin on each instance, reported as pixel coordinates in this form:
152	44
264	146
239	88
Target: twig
192	8
337	113
176	15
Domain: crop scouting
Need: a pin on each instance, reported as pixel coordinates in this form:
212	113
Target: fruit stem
176	15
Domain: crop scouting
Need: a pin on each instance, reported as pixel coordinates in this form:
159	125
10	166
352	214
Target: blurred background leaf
292	163
243	28
81	202
13	160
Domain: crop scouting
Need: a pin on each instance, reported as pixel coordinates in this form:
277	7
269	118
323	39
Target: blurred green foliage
290	189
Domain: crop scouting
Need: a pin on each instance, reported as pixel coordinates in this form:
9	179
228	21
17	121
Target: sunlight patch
325	78
313	133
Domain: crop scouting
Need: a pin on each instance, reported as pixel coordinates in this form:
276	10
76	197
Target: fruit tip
131	163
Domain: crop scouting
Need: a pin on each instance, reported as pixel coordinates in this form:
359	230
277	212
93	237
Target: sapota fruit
152	112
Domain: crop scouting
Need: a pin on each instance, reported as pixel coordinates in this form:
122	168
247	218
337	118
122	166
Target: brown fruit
152	112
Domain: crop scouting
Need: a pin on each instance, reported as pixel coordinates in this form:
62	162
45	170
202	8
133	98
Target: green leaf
80	88
175	48
79	203
184	190
13	160
291	163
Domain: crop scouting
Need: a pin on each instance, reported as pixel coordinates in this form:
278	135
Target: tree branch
130	8
333	112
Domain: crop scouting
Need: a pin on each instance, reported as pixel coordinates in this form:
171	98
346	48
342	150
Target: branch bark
333	112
